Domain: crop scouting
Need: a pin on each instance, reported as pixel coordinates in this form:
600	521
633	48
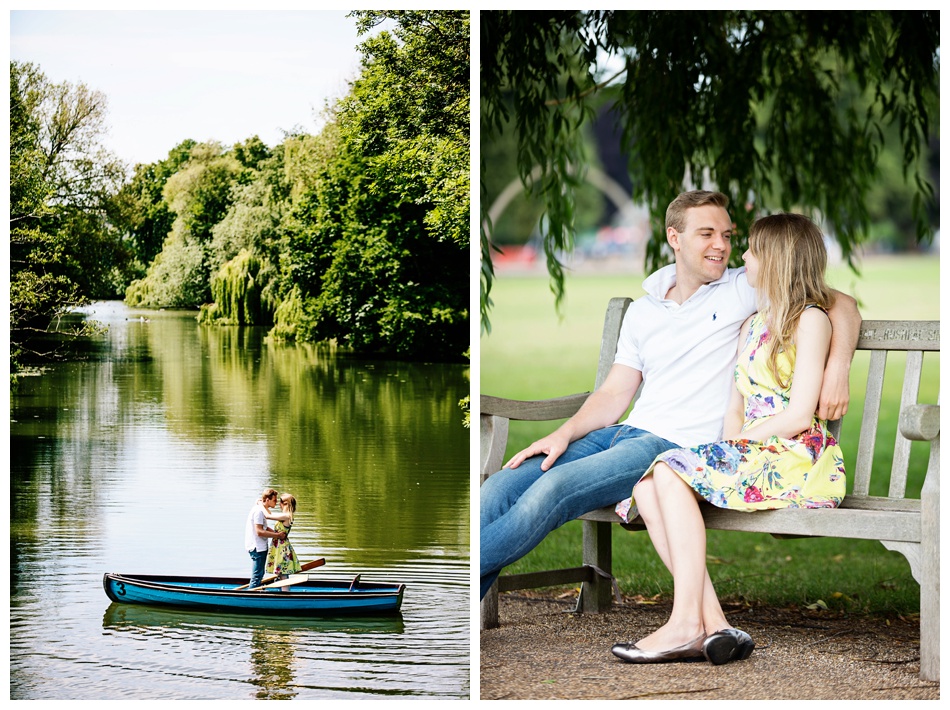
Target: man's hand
835	394
553	445
604	406
845	331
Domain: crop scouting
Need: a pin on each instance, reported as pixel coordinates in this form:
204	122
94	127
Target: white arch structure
611	189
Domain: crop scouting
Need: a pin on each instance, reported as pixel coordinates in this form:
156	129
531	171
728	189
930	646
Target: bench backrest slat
613	320
879	337
868	435
912	370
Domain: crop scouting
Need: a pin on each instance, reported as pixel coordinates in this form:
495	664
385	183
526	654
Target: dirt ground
542	650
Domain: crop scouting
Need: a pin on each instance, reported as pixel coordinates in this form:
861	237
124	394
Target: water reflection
272	661
145	458
353	440
133	617
275	647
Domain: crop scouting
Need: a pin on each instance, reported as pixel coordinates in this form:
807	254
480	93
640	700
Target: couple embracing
279	558
739	371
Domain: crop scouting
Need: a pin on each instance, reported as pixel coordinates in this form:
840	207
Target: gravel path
544	651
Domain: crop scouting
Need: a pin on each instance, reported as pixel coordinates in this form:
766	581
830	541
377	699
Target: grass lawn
535	353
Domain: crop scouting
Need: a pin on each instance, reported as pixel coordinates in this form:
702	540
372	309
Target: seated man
680	342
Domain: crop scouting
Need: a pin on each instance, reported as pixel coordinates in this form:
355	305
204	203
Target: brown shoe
687	652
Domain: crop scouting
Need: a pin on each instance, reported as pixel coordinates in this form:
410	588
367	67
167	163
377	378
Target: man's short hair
676	212
269	493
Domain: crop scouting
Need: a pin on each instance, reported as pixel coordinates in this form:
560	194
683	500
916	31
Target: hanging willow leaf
780	110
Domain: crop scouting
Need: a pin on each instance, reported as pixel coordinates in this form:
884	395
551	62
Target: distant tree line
358	234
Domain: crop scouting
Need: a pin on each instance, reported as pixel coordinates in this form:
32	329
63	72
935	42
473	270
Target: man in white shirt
680	342
256	534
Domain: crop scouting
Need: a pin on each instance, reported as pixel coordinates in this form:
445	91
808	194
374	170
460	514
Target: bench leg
596	595
930	571
489	608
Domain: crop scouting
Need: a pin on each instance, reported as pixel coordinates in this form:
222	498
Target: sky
173	75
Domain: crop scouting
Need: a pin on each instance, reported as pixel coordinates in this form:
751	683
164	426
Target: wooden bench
910	526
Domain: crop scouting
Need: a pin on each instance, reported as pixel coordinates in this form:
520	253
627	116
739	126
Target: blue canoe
316	597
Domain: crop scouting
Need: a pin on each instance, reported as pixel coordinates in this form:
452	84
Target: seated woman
776	452
281	558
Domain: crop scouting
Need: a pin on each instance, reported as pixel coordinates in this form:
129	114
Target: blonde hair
685	201
268	493
291	501
791	276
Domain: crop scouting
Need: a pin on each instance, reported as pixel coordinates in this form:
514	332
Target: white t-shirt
253	541
687	354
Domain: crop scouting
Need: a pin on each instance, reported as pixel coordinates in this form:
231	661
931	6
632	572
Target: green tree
251	153
418	123
28	190
377	238
62	247
142	211
780	110
522	217
245	248
199	194
358	234
310	226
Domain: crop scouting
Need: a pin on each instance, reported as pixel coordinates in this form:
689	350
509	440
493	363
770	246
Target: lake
146	455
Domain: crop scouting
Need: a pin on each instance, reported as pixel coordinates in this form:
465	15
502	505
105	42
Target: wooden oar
292	579
319	562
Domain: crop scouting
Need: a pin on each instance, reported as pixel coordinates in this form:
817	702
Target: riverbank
543	651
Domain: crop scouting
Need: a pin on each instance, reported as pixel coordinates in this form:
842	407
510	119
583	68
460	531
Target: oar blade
319	562
292	579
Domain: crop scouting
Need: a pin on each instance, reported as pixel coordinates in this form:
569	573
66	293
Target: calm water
146	457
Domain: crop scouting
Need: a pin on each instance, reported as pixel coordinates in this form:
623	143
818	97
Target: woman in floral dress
281	558
776	453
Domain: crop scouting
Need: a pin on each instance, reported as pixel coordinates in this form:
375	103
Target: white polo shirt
253	541
687	354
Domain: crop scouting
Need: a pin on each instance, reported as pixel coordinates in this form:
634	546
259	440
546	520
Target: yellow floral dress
746	474
281	558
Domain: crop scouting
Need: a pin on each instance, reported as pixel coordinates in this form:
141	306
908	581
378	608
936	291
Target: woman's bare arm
281	516
735	414
812	342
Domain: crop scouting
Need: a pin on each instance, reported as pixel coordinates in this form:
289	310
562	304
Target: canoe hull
313	598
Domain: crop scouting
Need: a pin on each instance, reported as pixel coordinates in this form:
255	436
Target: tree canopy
778	109
392	208
358	234
63	248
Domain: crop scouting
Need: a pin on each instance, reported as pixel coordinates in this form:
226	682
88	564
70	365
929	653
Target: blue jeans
258	562
520	506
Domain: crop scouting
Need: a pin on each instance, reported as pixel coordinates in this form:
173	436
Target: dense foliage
382	252
358	234
780	110
63	247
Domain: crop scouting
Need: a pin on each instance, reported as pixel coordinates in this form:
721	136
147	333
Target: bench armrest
495	413
534	411
920	422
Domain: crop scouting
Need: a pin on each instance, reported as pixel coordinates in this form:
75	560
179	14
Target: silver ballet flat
727	645
687	652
